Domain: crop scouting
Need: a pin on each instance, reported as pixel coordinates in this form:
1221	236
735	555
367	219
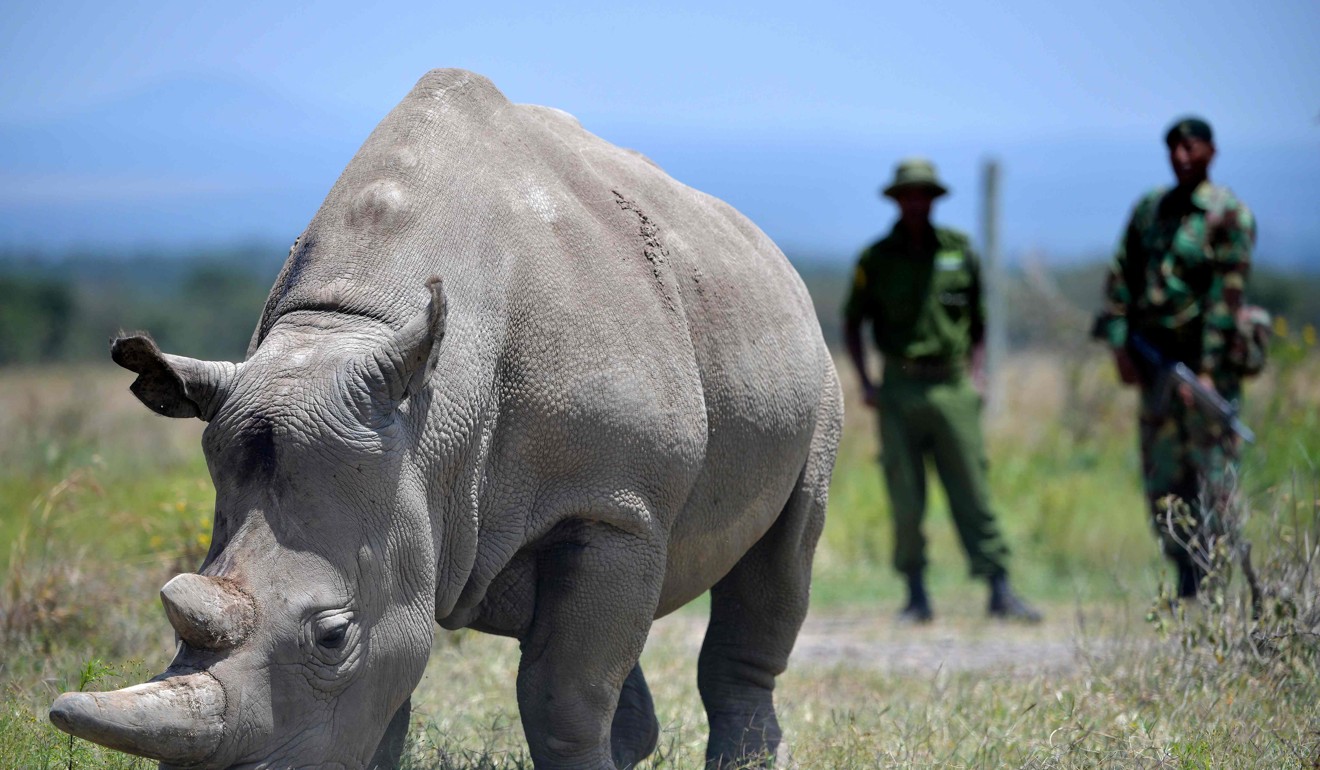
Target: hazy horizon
132	125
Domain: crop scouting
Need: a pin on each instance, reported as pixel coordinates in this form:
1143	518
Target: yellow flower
1308	335
1281	326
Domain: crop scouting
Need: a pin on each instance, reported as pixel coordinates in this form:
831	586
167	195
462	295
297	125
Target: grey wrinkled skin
617	399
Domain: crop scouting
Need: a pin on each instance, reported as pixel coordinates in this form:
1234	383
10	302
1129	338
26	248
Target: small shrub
45	594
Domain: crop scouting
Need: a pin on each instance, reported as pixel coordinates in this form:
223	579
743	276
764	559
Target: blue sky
793	112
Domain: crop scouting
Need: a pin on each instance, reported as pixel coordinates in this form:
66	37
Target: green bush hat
1188	127
915	172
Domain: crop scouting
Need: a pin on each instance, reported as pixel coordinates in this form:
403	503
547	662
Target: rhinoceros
511	378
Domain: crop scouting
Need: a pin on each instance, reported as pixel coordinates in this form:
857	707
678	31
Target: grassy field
102	502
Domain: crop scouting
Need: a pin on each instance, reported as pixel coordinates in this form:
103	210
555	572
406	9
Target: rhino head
311	619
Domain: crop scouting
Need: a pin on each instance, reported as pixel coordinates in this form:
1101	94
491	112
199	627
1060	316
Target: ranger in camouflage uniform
920	288
1177	279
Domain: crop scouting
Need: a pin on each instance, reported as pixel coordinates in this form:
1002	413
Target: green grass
102	502
1068	497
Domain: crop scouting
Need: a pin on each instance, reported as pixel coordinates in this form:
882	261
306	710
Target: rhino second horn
178	720
208	613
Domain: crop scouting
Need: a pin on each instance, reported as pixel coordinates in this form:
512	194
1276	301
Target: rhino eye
332	641
332	632
333	638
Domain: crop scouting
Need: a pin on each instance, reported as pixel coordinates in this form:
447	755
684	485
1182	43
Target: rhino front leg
596	594
635	730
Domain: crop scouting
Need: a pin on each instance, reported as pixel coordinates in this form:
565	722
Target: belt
934	369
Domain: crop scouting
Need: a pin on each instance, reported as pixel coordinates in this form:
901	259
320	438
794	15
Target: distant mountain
182	126
210	160
190	160
1063	199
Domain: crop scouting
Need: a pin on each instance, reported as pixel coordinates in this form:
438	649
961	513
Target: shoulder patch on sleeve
1243	217
951	259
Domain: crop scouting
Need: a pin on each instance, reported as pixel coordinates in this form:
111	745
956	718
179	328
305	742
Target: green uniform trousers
942	420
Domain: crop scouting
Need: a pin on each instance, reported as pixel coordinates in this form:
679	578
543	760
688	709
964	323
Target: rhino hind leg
389	754
756	612
635	730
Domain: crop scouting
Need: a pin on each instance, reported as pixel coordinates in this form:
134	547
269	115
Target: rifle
1168	375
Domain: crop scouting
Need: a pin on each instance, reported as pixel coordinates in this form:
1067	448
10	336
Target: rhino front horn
208	613
178	720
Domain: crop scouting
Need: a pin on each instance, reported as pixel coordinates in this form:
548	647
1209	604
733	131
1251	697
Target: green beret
1189	127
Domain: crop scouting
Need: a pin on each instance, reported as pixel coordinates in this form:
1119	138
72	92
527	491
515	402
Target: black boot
1189	577
918	605
1007	605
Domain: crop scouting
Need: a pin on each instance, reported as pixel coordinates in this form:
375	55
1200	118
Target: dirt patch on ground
952	644
909	649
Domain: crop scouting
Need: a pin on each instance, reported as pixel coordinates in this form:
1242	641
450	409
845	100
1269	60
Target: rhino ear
402	366
174	386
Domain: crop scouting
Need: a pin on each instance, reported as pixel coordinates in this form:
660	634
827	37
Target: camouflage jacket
920	305
1178	274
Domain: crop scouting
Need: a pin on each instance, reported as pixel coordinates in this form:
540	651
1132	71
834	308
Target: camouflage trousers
1189	468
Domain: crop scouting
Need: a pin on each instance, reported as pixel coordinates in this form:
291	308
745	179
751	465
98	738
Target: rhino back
742	320
648	352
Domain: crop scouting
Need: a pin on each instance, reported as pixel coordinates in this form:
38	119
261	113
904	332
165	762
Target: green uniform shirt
1177	258
924	305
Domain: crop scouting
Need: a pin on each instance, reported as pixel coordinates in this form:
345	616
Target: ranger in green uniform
1177	280
920	288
